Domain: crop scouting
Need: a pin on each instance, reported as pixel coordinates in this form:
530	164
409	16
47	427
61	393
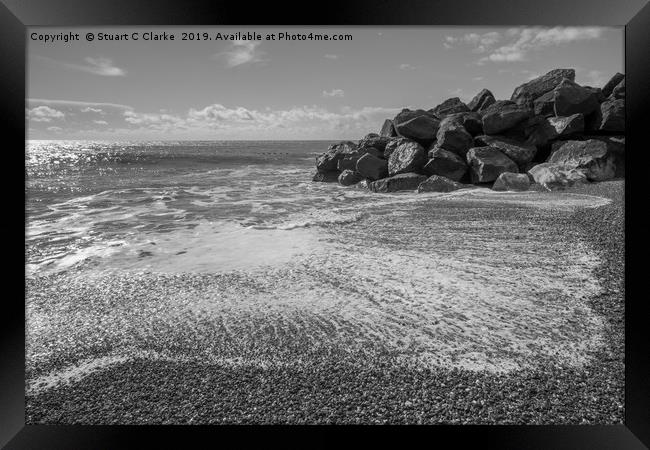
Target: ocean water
264	252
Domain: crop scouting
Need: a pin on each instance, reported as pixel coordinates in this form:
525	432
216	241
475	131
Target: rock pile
552	131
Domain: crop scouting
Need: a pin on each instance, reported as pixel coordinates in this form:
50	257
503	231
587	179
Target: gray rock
487	163
437	183
453	136
349	177
612	83
387	129
567	126
328	161
450	106
400	182
393	144
349	162
619	90
372	167
326	177
544	105
407	157
374	140
481	101
420	126
571	98
445	163
533	89
509	181
554	176
519	152
504	115
610	116
592	157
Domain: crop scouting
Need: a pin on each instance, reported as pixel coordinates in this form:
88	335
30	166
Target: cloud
331	56
44	114
100	122
480	42
334	93
89	109
406	67
594	78
54	129
97	66
242	52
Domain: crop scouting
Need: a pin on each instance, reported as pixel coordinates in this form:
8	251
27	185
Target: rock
471	121
487	163
619	90
539	86
598	92
592	157
350	162
509	181
400	182
454	137
556	176
504	115
567	126
481	101
420	126
519	152
393	144
437	183
328	161
610	117
544	105
449	106
374	140
372	167
612	83
326	177
445	163
349	177
571	98
387	129
407	157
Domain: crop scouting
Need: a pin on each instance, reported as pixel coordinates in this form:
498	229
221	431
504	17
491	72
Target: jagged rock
349	177
437	183
544	105
420	126
567	126
610	117
400	182
519	152
454	137
571	98
393	144
407	157
471	121
350	162
374	140
504	115
481	101
387	129
372	167
592	157
450	106
328	161
326	177
533	89
612	83
487	163
445	163
556	176
598	92
509	181
619	90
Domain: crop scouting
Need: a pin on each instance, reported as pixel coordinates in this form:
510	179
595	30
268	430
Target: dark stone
420	126
350	162
539	86
504	115
372	167
554	176
487	163
481	101
437	183
328	161
509	181
374	140
408	157
393	144
519	152
571	98
387	129
349	177
610	117
591	156
544	105
619	90
454	137
612	83
326	177
567	126
450	106
471	121
445	163
400	182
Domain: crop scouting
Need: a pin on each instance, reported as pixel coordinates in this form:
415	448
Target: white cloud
54	129
331	56
89	109
480	42
406	67
594	78
242	52
44	114
100	122
334	93
98	66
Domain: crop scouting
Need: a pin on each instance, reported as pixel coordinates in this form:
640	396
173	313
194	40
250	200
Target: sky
232	87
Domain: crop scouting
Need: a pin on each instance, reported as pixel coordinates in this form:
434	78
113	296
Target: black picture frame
16	15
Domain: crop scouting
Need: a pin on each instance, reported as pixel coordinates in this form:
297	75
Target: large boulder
387	129
481	101
407	157
437	183
592	157
504	115
571	98
509	181
400	182
563	127
619	90
612	83
420	126
450	106
554	176
349	177
487	163
374	140
328	161
453	136
445	163
326	177
349	162
533	89
372	167
610	117
393	144
519	152
544	105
